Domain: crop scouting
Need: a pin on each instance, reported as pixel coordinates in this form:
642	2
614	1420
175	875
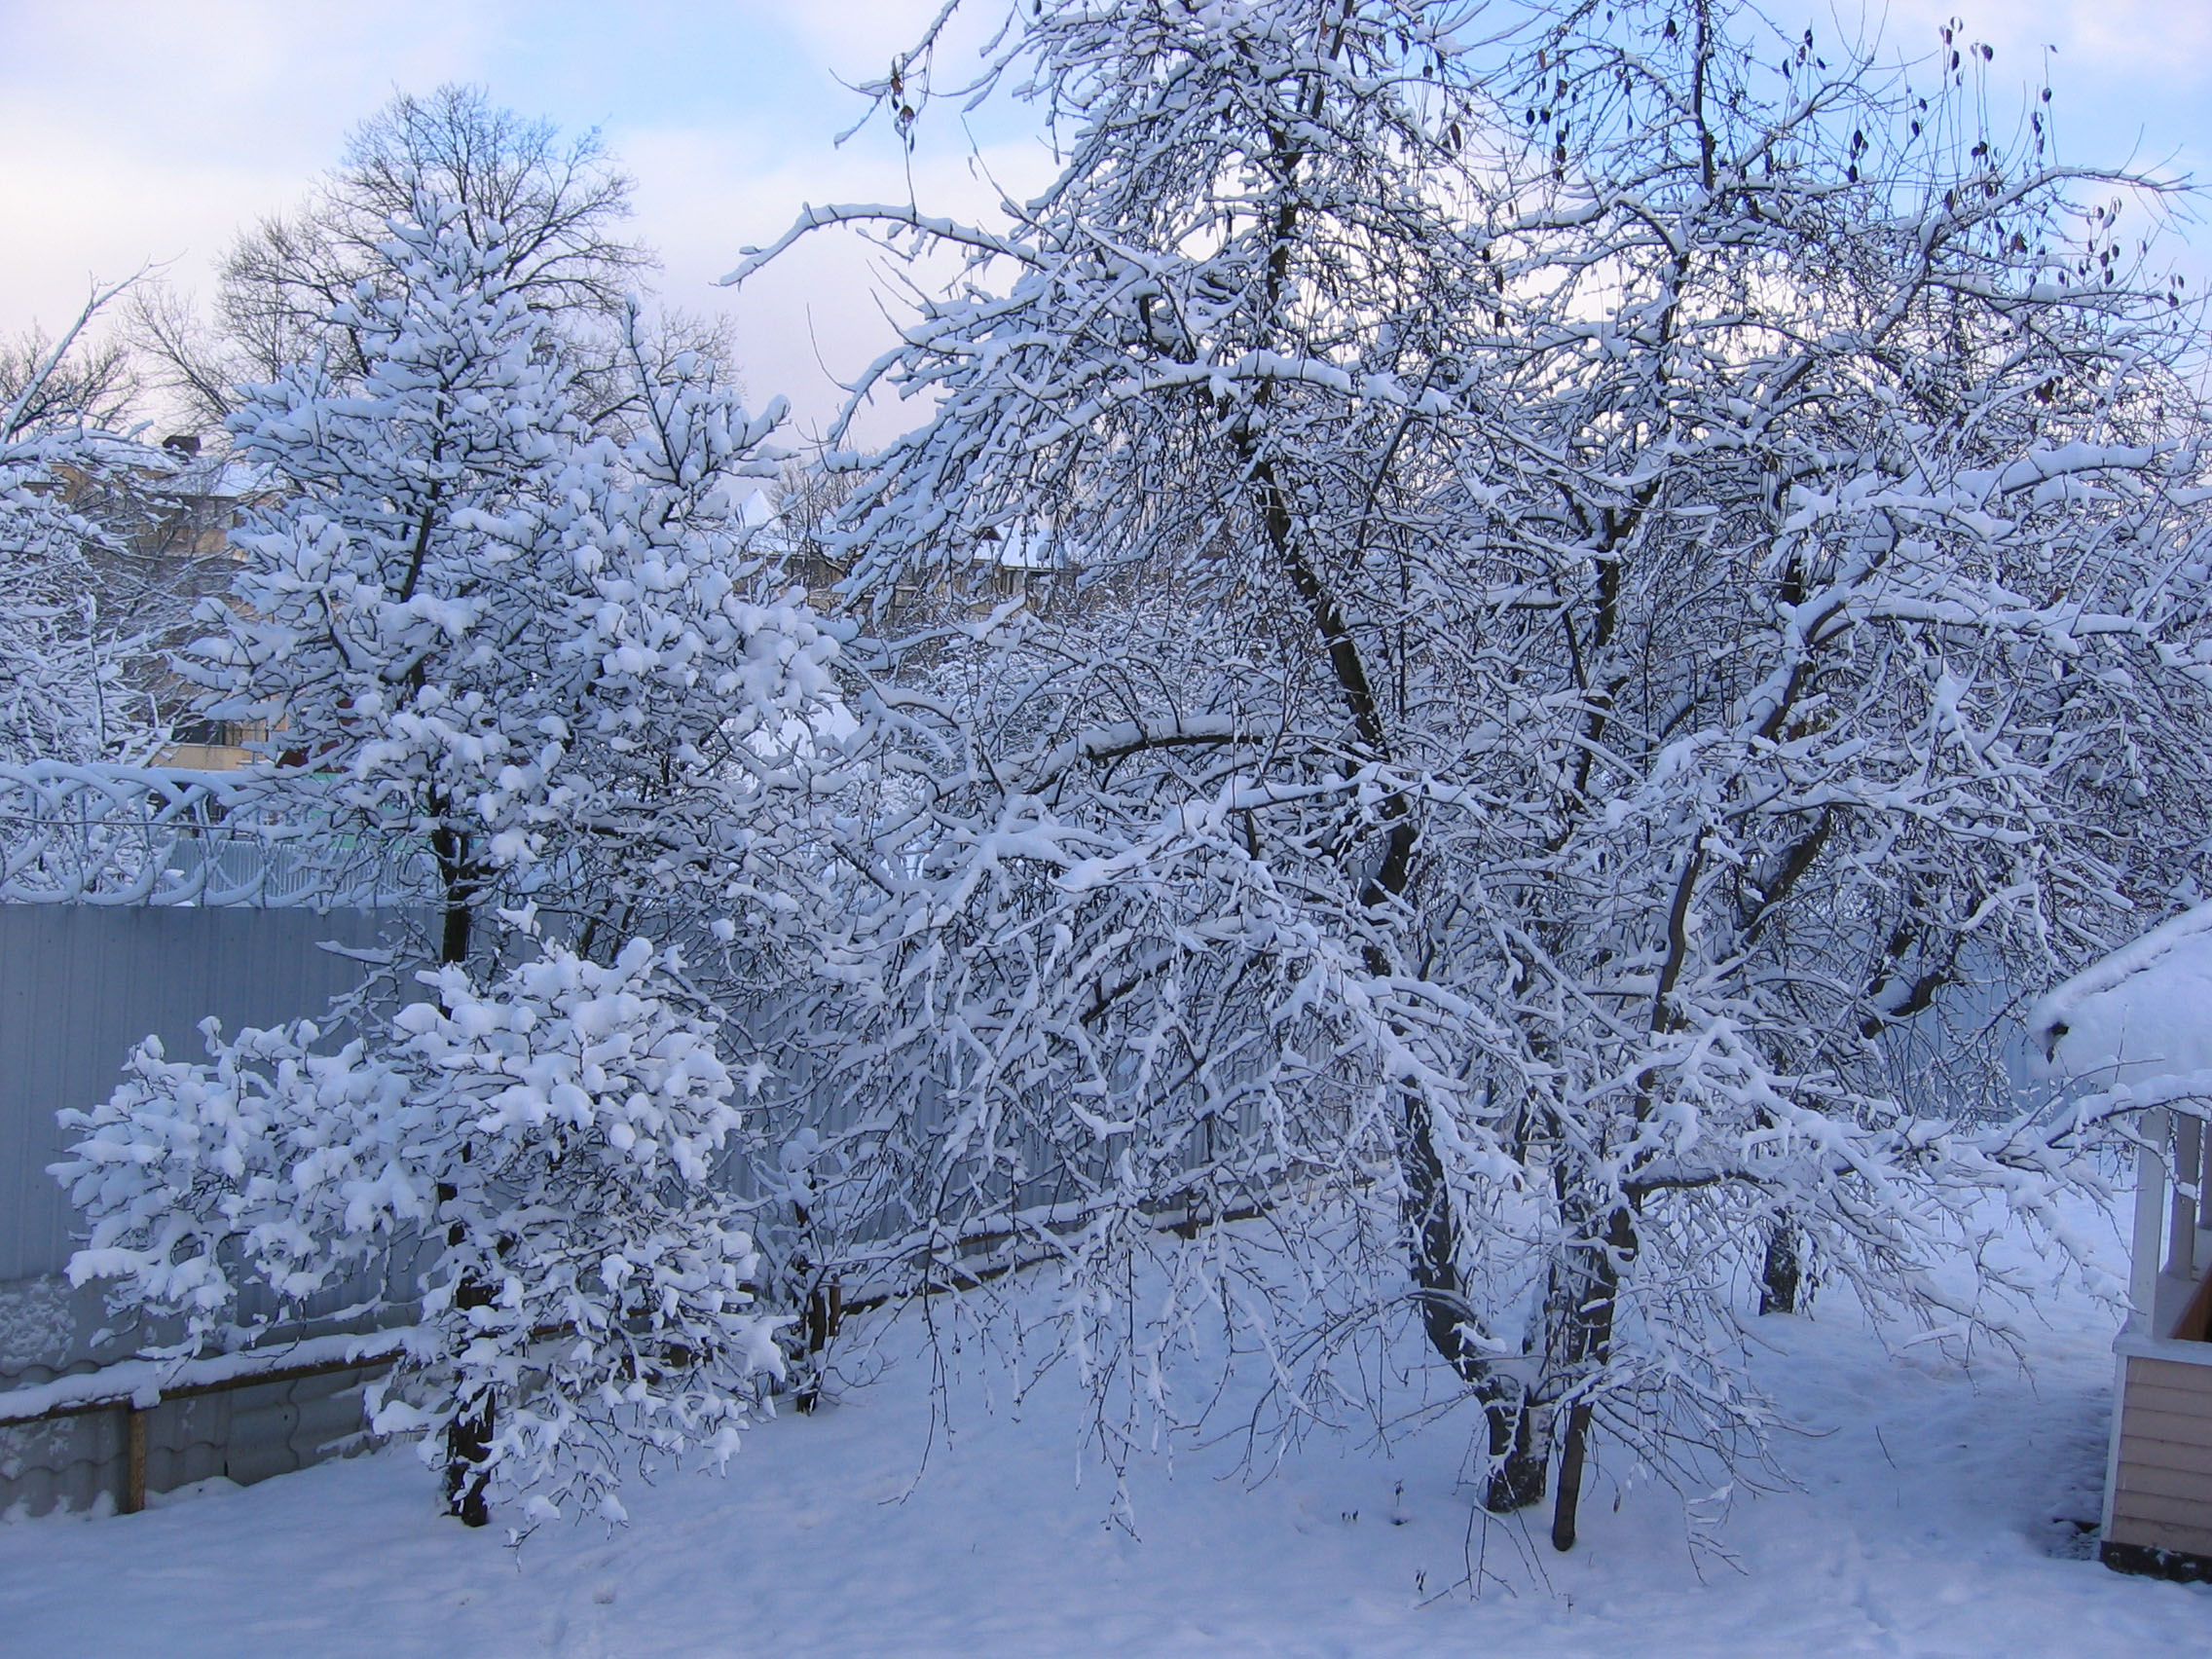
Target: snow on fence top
2139	1019
164	835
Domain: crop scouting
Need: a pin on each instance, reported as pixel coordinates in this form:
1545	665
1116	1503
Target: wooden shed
2141	1020
2157	1515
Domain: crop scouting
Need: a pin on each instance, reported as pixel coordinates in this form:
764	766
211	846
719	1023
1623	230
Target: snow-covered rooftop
757	511
2141	1013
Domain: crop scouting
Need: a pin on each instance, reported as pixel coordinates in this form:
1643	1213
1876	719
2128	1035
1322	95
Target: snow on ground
1931	1519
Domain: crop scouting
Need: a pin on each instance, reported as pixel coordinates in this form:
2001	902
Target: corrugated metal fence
79	984
82	978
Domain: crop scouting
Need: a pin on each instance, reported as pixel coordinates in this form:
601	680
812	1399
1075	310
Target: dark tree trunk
1516	1477
469	1445
460	876
1568	1507
1516	1462
468	1437
1782	1277
824	1313
1432	1229
1592	1296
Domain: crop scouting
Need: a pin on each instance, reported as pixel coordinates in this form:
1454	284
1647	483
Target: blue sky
139	132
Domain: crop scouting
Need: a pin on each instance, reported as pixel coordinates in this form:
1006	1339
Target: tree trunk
468	1437
1516	1477
1593	1291
1432	1230
1517	1468
824	1313
1568	1505
469	1445
459	876
1782	1277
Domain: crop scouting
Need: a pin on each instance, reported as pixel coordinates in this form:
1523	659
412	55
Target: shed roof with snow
2142	1015
2139	1022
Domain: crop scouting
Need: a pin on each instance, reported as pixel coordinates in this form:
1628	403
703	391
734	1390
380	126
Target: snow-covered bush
534	1157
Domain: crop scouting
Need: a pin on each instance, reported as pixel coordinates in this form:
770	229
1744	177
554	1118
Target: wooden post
2150	1209
2180	1224
2204	1180
133	1459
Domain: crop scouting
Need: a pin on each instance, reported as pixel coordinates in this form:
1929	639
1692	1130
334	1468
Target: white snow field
1931	1517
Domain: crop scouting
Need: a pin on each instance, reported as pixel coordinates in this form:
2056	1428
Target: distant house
2141	1020
169	523
1008	562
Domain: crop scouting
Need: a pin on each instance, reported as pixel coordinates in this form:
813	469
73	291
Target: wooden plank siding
2171	1428
2162	1497
2161	1480
2174	1455
2180	1404
2170	1375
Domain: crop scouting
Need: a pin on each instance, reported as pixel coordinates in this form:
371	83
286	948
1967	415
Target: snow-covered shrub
535	1156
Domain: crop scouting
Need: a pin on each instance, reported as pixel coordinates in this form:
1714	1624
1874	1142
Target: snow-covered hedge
536	1155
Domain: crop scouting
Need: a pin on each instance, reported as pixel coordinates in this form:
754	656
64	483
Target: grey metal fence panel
80	984
131	835
244	1435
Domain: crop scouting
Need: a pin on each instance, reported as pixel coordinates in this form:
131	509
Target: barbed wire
122	836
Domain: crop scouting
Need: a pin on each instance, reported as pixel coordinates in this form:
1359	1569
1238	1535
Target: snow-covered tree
549	663
47	383
548	657
547	206
530	1158
55	681
1628	574
62	692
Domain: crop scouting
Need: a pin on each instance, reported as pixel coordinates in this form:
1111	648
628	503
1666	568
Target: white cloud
148	129
817	315
2162	41
139	133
